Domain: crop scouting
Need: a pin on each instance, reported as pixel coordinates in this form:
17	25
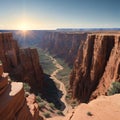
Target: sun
24	27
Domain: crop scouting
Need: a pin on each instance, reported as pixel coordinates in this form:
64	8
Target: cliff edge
13	104
22	64
102	108
97	65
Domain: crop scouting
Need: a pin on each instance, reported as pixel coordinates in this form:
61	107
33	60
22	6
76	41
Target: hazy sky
52	14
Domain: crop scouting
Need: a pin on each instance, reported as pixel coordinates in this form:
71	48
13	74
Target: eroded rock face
22	64
8	51
97	65
63	45
13	104
102	108
30	70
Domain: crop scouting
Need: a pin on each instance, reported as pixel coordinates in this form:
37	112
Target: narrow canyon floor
58	72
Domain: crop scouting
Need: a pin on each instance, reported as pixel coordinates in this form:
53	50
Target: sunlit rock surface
97	65
13	104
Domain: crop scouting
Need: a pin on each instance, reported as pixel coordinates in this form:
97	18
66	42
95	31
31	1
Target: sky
52	14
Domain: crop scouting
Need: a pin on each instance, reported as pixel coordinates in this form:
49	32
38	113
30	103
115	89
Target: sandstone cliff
22	64
63	45
102	108
13	105
97	65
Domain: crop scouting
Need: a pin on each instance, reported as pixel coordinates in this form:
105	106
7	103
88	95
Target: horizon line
68	28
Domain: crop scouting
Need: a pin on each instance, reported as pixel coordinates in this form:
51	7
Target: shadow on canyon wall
51	93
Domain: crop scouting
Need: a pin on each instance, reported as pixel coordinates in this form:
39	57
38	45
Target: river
62	86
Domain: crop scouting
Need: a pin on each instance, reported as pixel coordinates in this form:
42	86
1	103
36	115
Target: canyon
95	57
95	61
63	45
95	68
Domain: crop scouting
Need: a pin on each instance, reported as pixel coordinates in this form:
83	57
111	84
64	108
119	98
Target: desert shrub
52	105
114	89
74	103
60	113
38	99
41	105
68	96
0	62
89	114
47	115
51	110
26	87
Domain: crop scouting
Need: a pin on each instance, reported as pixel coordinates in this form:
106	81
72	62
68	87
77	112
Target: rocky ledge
102	108
13	104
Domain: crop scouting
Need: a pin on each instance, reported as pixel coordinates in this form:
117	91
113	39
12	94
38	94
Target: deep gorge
94	59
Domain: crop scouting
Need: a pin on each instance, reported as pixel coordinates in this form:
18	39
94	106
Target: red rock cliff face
97	65
63	45
22	64
33	73
13	104
8	51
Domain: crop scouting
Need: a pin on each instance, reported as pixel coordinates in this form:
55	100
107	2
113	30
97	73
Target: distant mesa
87	29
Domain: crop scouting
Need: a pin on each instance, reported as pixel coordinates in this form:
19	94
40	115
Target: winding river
62	86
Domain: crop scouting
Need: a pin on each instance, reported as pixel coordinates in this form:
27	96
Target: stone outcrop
102	108
97	65
13	104
62	44
22	64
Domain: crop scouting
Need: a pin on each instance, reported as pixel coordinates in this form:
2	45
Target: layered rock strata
22	64
97	65
13	104
63	45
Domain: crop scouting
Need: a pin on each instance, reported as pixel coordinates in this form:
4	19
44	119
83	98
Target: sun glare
24	27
